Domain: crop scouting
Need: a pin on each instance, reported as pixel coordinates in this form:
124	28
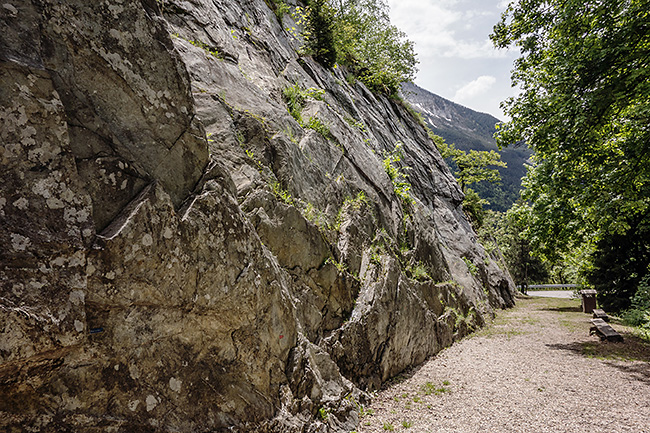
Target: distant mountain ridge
470	129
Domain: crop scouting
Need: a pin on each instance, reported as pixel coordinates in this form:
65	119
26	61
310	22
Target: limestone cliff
180	254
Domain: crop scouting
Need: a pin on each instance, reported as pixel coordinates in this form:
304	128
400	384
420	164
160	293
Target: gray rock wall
180	254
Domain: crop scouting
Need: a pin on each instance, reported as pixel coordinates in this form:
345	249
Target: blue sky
457	59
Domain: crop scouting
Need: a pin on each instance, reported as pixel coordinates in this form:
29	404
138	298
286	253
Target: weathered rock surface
180	254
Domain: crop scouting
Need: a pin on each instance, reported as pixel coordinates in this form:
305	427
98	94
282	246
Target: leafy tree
320	28
584	108
384	57
358	33
472	167
473	207
619	264
509	233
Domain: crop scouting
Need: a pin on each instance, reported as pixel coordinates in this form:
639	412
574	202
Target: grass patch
295	98
319	126
431	389
397	176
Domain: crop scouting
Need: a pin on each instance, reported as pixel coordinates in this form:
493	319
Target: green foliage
378	51
471	266
350	204
279	7
321	24
638	314
618	265
319	126
473	166
419	272
316	216
508	234
429	388
324	413
473	207
399	179
281	193
388	426
295	98
584	108
358	33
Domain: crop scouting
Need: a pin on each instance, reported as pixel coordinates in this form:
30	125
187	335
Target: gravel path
534	369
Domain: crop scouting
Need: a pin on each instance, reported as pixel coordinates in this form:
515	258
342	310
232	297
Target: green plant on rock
388	426
355	204
471	267
295	98
419	272
316	216
396	174
281	193
323	413
342	267
279	7
319	126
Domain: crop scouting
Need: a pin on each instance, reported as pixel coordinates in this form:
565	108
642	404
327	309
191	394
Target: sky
457	59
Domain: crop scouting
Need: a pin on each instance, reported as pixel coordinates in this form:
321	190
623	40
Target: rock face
180	254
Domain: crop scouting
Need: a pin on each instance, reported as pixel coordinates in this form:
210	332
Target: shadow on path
617	355
563	309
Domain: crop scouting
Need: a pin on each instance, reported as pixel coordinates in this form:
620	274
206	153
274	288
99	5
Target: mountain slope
469	129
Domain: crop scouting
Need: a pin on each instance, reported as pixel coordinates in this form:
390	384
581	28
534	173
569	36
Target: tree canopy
471	167
584	108
359	34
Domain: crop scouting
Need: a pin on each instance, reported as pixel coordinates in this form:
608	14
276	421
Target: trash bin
588	300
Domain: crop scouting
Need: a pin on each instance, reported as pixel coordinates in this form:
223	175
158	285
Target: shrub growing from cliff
321	27
358	34
377	51
397	176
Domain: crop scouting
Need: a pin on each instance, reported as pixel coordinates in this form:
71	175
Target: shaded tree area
584	109
505	237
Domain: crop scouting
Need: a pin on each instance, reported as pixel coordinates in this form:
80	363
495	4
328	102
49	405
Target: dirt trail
534	369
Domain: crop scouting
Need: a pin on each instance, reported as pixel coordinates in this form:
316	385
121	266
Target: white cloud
474	50
452	41
434	27
474	88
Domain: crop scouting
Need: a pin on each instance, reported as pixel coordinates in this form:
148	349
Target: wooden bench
600	314
604	331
